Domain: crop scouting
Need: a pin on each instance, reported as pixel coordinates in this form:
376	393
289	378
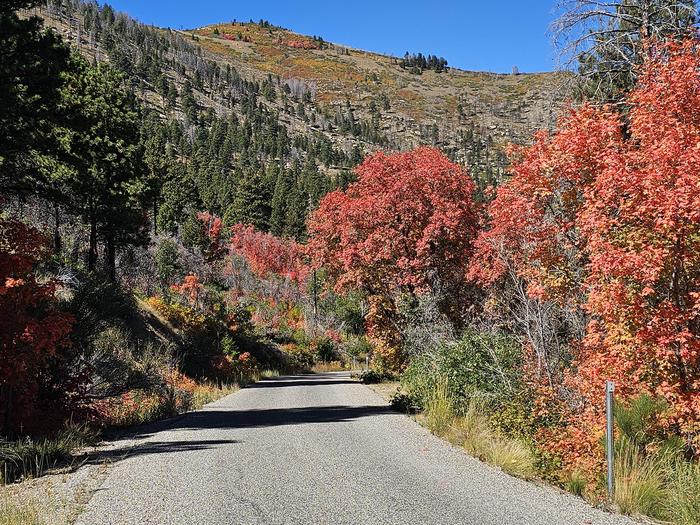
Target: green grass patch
28	458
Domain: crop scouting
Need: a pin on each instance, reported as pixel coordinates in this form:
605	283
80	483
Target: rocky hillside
356	100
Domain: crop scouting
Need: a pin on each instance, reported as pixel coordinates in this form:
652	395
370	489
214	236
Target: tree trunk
155	215
57	245
111	259
92	253
6	402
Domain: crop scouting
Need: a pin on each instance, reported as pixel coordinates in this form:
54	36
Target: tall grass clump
652	475
683	502
438	413
28	458
473	431
639	481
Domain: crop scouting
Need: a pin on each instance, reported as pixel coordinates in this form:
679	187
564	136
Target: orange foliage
610	223
301	43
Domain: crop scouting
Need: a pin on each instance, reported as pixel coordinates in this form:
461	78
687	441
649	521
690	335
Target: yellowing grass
12	513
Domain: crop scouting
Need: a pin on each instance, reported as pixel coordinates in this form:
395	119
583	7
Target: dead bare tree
605	40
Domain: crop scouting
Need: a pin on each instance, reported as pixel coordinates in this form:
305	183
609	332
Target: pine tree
279	204
30	83
108	185
251	205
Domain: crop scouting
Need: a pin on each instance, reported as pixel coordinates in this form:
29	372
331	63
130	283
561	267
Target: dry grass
331	366
207	393
11	513
438	414
472	432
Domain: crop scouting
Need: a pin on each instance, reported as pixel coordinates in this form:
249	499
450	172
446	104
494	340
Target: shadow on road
282	382
153	447
238	419
231	419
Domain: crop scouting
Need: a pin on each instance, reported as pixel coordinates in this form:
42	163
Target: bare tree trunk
57	245
92	253
111	259
155	215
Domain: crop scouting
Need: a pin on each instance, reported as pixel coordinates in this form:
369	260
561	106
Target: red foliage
268	255
31	328
534	234
642	225
407	222
612	223
191	288
301	43
212	229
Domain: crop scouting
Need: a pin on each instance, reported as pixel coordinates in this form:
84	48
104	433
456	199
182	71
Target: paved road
318	449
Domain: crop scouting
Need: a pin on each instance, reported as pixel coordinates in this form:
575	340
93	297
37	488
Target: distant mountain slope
355	100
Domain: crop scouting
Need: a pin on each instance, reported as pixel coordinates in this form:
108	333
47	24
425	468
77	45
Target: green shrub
638	420
325	349
477	366
356	346
168	265
371	376
575	483
403	402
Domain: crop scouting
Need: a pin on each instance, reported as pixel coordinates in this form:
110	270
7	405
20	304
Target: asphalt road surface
315	449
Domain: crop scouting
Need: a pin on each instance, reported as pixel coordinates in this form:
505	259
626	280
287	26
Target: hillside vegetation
356	100
181	210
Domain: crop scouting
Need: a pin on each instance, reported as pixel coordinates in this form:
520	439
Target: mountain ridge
355	99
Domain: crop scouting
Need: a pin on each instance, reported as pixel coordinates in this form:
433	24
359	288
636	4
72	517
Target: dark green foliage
418	62
403	402
326	350
251	204
278	213
370	377
30	83
193	234
477	366
168	264
106	185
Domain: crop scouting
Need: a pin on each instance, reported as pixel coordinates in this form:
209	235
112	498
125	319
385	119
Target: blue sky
470	34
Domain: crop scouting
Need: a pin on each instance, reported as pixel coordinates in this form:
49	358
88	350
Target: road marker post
609	437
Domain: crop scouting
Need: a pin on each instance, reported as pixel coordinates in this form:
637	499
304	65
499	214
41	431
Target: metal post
609	437
315	301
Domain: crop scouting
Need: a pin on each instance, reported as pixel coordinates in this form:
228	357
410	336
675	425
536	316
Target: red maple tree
406	226
609	221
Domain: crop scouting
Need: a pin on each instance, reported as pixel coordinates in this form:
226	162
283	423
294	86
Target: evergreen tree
251	205
107	186
279	204
30	83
